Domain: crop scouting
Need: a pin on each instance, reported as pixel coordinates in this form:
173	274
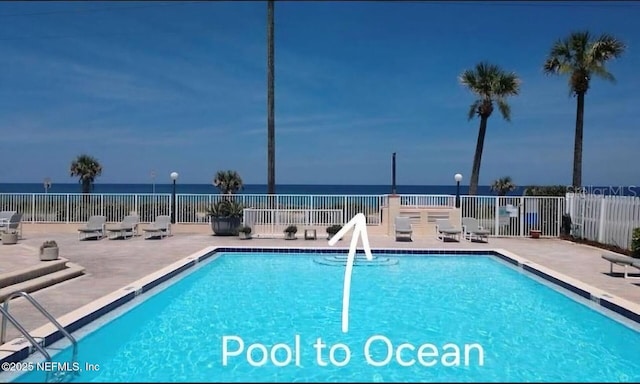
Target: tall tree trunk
577	145
477	158
86	186
271	146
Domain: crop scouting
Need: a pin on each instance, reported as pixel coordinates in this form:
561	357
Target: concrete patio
113	264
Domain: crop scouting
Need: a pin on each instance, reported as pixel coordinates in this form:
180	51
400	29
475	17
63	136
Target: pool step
37	277
359	260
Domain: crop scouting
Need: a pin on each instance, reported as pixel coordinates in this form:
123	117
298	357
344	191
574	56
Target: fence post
33	207
496	219
559	207
344	209
601	222
521	215
67	209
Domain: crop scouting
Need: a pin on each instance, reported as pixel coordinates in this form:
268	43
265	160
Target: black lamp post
174	177
393	174
458	178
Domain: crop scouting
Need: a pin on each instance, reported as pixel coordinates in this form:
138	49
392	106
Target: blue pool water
526	330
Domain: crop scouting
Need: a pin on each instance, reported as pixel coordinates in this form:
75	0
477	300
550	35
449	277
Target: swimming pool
506	326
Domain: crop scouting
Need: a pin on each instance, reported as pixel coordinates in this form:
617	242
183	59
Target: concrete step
32	272
69	272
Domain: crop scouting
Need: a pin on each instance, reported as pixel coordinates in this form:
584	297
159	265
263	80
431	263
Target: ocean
290	189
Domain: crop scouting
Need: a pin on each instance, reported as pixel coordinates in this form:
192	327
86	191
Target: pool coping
19	348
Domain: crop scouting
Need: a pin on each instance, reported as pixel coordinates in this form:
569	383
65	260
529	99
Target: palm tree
503	185
581	56
87	168
489	83
271	146
228	182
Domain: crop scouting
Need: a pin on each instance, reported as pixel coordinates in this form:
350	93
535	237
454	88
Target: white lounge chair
402	227
12	224
446	230
128	226
95	227
6	215
623	261
160	227
474	231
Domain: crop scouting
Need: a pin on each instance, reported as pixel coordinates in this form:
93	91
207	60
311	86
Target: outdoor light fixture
458	179
174	177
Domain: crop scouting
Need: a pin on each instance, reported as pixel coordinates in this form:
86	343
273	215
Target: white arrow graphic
359	225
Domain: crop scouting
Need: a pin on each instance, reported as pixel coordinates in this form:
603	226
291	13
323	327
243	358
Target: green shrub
291	229
635	243
545	190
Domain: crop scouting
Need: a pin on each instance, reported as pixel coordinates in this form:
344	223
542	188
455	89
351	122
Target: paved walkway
112	264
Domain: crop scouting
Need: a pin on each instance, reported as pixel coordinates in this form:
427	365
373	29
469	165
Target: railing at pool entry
273	221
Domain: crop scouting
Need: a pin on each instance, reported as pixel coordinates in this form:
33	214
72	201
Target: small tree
228	182
87	169
503	185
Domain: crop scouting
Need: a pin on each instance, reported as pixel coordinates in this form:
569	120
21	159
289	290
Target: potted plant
290	232
226	214
9	238
226	217
244	232
49	250
332	230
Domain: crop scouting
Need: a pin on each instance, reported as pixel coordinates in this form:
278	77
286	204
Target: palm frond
468	78
607	47
601	72
505	109
551	66
507	84
473	110
561	51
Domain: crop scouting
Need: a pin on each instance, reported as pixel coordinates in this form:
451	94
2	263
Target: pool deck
113	264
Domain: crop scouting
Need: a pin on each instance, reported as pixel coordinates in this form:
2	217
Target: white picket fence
605	219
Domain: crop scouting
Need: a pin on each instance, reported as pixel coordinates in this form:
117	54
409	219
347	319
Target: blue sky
182	86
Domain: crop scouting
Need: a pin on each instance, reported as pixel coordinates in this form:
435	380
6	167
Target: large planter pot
49	254
244	236
9	238
289	235
225	226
